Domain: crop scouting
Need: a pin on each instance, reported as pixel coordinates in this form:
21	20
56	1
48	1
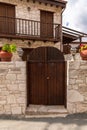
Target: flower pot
83	54
5	56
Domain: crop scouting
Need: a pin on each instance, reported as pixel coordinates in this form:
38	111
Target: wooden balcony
17	28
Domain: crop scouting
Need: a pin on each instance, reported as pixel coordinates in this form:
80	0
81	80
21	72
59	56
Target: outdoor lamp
73	52
20	52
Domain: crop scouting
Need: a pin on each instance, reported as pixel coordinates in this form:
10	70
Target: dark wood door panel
10	13
46	83
46	27
55	84
2	19
37	83
46	79
7	18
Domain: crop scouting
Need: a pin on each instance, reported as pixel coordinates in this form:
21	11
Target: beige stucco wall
32	14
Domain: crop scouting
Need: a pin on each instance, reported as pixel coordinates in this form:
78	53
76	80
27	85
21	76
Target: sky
75	15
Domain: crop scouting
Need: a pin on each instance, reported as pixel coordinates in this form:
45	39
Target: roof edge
54	2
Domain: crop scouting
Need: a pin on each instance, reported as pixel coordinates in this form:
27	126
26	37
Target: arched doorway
46	83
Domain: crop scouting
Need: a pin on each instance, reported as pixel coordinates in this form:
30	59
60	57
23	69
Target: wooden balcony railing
31	29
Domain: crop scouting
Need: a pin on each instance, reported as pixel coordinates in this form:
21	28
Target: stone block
3	102
23	70
2	86
23	110
7	107
74	96
72	81
83	67
74	65
6	81
20	64
3	71
12	87
21	77
22	87
15	70
4	93
75	87
81	107
21	100
11	77
86	80
16	110
11	99
78	81
71	107
73	73
82	88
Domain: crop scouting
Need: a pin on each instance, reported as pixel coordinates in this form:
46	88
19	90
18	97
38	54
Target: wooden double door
46	82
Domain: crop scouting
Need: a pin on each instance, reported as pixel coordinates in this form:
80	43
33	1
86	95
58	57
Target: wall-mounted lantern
28	8
73	52
20	52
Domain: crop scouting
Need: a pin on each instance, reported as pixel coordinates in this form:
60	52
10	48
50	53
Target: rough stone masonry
77	86
12	87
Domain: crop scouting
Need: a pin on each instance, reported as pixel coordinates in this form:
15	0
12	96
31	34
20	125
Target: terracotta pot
5	56
83	54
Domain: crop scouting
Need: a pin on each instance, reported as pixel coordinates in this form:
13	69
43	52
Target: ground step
45	110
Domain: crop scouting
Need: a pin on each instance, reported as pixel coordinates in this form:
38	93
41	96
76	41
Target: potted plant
83	51
6	52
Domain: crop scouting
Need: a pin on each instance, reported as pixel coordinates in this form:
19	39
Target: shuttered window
46	24
7	21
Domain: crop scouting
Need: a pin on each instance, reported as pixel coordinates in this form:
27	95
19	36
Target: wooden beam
34	1
78	43
56	3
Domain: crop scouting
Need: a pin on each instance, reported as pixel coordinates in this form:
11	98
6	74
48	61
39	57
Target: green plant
83	47
9	48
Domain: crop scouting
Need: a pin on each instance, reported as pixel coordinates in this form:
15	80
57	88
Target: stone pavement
51	122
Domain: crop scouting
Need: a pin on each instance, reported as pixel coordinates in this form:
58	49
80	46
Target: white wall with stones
77	86
12	87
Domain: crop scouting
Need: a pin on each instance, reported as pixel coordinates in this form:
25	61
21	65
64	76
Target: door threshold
45	109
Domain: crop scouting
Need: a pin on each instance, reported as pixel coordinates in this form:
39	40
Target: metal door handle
48	77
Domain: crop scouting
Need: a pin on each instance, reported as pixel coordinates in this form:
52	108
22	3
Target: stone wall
77	86
12	87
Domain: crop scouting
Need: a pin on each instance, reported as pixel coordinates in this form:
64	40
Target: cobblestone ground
69	122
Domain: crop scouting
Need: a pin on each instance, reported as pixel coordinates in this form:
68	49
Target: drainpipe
61	38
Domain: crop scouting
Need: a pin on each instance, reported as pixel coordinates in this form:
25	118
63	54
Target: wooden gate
46	77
